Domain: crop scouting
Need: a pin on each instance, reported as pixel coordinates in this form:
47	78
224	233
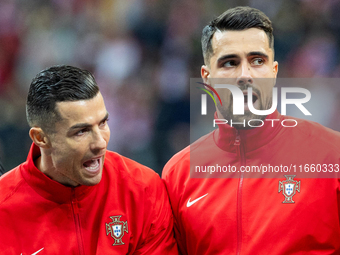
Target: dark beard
227	112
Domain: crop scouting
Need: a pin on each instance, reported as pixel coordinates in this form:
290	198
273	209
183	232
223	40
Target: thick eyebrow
86	125
224	57
250	54
257	53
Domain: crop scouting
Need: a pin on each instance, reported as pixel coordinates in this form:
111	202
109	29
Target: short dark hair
57	84
238	18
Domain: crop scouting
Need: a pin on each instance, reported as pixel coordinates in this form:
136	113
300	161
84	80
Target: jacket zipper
241	156
76	217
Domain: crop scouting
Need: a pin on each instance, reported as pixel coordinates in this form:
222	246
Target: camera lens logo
209	93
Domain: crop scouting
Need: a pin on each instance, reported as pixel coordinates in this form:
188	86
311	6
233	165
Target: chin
92	181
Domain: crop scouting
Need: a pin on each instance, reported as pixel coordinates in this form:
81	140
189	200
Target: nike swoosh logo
36	252
190	203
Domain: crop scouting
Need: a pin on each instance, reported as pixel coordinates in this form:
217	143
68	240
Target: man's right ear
39	137
205	74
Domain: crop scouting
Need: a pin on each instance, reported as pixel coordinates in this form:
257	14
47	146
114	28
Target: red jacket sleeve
159	237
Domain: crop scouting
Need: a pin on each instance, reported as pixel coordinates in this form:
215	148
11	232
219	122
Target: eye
104	122
230	63
81	132
258	61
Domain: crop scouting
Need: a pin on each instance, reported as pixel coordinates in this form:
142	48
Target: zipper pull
237	139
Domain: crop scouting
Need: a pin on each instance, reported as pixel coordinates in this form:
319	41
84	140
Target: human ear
39	137
205	73
275	68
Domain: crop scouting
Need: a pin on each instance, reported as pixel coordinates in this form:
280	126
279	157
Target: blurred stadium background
143	54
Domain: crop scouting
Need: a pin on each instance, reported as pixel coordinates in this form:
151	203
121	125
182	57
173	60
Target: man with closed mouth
222	203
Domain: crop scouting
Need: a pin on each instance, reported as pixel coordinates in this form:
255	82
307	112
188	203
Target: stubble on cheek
227	112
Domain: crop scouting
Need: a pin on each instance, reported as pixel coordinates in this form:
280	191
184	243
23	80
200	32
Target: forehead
82	111
240	42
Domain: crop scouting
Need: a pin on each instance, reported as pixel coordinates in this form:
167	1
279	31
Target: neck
45	165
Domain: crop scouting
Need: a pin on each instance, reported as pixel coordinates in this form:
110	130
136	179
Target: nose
245	75
99	142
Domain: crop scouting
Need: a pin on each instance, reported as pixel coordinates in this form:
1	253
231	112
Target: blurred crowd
143	54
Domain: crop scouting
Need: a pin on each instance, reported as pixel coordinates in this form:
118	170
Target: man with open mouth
72	195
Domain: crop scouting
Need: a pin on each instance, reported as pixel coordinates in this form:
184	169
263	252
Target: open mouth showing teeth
92	164
254	98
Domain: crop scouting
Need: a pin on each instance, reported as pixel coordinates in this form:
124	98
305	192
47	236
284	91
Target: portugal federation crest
116	228
289	188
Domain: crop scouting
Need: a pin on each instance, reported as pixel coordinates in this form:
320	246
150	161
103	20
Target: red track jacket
126	213
278	213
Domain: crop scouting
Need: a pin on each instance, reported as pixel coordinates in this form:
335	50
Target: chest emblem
289	188
116	228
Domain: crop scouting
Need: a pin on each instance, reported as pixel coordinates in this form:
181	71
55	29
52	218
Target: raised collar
48	188
226	137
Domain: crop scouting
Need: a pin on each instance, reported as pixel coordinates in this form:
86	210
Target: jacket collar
46	187
226	137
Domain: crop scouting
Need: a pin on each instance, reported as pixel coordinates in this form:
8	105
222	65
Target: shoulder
179	164
179	159
135	183
315	133
130	171
312	127
10	183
